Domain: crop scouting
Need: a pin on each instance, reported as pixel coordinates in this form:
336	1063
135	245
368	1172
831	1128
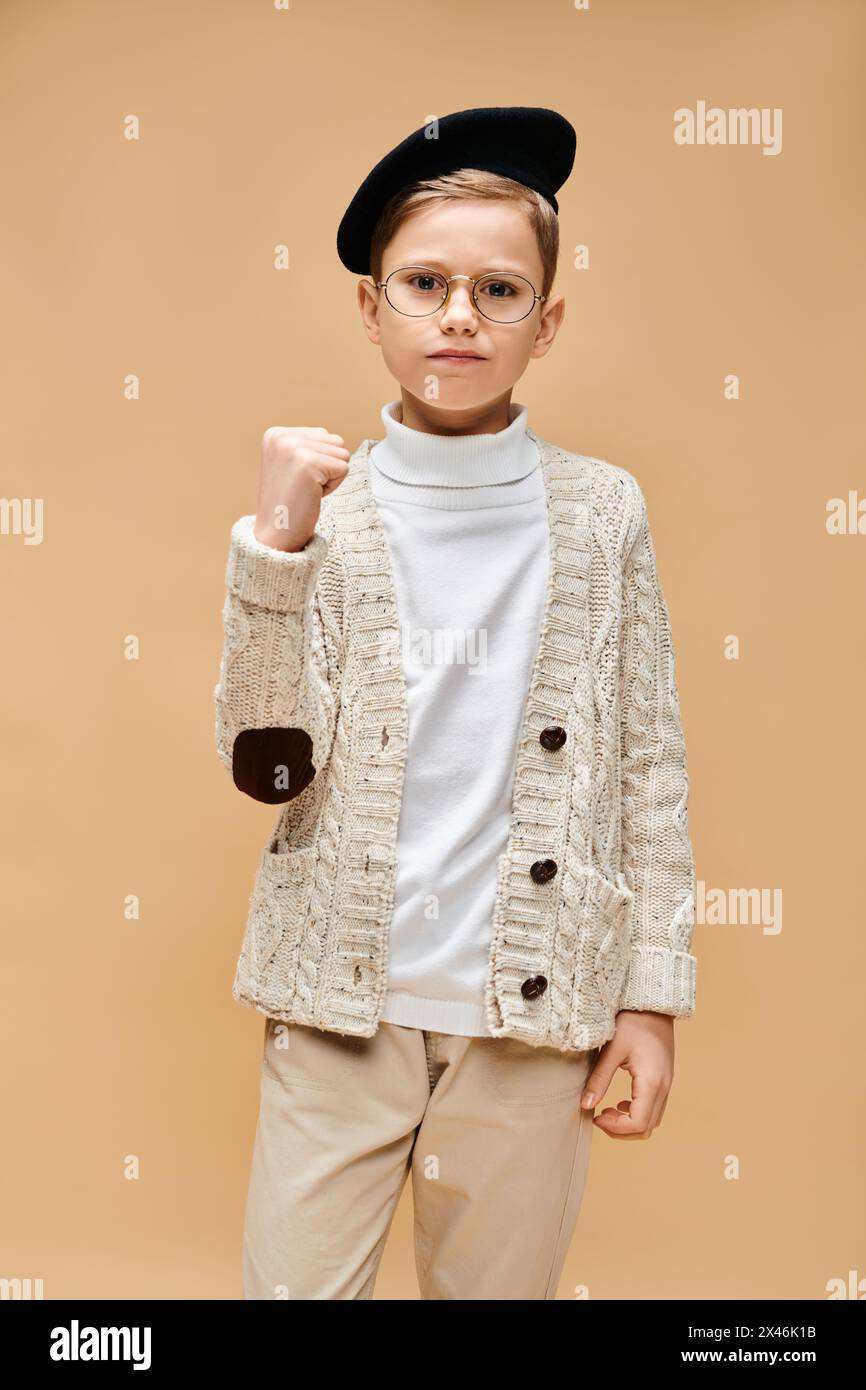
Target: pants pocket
308	1057
521	1074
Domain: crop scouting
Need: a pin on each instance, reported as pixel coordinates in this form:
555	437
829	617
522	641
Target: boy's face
465	237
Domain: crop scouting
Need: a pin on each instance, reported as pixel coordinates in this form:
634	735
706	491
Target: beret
530	144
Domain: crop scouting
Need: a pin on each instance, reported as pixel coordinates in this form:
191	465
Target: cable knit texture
312	643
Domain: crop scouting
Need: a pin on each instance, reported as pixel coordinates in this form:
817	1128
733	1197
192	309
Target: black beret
531	144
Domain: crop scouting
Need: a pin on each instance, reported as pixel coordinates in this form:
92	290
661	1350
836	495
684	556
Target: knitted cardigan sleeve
657	854
278	690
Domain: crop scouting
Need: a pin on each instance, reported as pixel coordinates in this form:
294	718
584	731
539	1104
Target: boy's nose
460	302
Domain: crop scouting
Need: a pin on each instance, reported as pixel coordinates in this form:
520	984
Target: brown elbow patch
273	765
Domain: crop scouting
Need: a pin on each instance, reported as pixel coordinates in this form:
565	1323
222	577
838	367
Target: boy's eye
425	282
500	289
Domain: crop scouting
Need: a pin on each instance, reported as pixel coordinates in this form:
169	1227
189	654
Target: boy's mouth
455	355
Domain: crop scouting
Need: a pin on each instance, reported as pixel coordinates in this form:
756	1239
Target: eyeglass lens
501	297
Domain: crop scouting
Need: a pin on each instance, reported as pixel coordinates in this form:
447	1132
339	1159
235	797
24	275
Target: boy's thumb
594	1087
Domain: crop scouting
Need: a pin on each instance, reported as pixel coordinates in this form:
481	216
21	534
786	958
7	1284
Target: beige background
155	257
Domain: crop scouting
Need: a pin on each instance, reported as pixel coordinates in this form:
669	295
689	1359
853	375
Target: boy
478	900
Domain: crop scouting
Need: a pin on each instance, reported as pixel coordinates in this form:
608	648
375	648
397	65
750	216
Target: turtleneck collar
456	470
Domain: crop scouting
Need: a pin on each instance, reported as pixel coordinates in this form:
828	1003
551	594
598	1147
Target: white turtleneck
465	519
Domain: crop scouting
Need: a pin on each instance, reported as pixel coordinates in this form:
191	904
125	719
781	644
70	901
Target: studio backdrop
174	175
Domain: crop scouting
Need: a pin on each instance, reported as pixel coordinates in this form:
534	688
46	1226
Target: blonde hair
469	183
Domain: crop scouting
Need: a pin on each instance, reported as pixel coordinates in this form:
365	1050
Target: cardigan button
533	987
552	737
542	870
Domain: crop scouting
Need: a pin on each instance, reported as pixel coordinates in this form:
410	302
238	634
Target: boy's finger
620	1123
596	1085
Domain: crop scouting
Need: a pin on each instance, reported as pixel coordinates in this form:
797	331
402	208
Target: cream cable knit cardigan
595	891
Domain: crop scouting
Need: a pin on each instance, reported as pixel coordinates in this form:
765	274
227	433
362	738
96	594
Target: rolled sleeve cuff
660	980
281	580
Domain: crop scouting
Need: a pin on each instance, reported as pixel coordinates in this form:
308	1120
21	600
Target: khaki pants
491	1129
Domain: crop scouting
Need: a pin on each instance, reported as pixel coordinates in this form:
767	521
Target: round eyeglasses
499	295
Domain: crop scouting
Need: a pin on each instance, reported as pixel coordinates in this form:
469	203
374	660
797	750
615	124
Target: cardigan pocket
608	903
279	905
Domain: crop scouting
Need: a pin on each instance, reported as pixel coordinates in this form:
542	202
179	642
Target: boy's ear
368	304
549	325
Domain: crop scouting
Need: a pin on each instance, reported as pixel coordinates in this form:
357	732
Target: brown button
543	870
552	737
535	985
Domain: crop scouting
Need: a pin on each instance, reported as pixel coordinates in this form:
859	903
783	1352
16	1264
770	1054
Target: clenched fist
299	466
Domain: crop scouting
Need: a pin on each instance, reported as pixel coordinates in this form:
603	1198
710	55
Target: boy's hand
643	1044
299	466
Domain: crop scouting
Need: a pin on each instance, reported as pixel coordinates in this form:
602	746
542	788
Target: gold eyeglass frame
383	285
